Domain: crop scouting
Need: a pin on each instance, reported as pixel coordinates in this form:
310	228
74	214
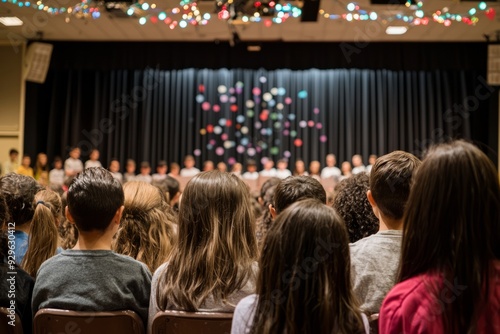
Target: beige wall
11	99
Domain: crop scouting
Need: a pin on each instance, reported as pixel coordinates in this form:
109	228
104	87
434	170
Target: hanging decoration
268	11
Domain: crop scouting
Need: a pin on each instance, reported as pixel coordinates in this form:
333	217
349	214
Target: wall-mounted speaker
494	64
310	9
37	61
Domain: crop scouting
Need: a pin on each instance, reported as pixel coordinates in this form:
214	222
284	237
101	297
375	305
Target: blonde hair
146	230
43	236
217	250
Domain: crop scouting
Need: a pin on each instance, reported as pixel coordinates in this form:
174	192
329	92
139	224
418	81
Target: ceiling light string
267	11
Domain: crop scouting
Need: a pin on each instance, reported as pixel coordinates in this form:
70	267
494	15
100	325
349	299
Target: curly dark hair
352	205
19	192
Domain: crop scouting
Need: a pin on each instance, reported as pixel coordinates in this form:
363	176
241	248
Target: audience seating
4	323
65	321
373	319
179	322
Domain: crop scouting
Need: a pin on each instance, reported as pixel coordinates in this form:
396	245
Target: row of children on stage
64	170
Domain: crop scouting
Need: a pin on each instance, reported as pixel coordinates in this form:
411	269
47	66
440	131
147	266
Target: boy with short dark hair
91	277
293	189
375	259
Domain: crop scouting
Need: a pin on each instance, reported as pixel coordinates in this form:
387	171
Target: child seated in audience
282	169
147	231
91	277
23	281
449	275
304	283
251	173
265	199
351	203
189	169
293	189
68	233
375	259
129	174
25	168
43	235
93	159
214	263
56	176
114	169
19	192
145	173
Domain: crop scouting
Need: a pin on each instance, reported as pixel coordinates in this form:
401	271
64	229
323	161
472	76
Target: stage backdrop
232	115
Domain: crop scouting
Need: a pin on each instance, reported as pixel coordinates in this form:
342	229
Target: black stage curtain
237	114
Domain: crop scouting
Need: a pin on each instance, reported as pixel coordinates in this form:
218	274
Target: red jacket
411	308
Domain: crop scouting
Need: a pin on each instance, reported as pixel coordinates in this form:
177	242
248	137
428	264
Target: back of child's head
67	231
43	230
390	182
216	242
304	285
296	188
146	230
19	191
353	206
217	202
94	198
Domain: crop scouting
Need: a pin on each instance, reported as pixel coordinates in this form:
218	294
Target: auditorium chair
4	323
179	322
65	321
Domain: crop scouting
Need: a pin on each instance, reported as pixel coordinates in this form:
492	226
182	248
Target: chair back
64	321
179	322
10	323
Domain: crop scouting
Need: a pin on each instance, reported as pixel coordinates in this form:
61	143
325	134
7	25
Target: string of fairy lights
269	12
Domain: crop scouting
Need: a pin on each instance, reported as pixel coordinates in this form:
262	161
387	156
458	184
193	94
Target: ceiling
39	24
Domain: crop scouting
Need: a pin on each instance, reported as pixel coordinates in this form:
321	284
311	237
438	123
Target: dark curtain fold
237	114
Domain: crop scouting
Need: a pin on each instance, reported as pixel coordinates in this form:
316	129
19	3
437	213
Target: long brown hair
216	249
146	230
452	228
304	285
43	236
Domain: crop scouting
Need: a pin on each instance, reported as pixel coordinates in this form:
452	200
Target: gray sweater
374	266
93	280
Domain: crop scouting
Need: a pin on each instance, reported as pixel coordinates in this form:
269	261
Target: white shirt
159	177
359	169
330	171
92	163
250	175
245	312
283	173
189	172
268	172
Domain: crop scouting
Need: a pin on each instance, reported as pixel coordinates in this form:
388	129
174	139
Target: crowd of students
417	242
